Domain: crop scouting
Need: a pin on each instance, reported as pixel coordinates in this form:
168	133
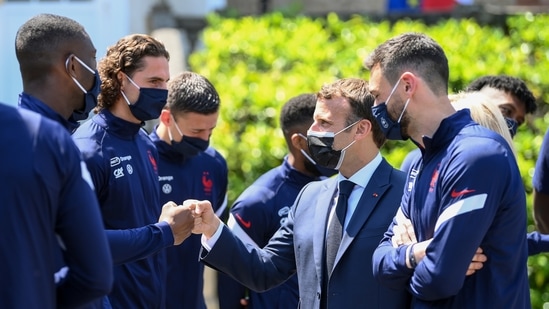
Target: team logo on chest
207	182
153	161
434	179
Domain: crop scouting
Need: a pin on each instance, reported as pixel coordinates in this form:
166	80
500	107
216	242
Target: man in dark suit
344	136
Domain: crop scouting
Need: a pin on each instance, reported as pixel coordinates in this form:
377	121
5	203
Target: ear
363	128
165	117
296	141
69	66
410	81
121	79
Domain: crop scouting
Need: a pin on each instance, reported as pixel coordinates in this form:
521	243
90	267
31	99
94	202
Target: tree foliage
258	63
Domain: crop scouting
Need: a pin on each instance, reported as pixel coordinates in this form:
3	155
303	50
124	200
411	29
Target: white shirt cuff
209	243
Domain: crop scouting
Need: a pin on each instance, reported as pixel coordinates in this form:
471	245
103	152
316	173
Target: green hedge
258	63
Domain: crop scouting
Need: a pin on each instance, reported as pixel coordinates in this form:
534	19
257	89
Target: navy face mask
391	129
188	146
90	96
512	125
150	103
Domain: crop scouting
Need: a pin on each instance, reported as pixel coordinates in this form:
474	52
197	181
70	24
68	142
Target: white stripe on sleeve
460	207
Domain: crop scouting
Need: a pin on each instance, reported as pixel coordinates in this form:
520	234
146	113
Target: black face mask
312	167
321	147
188	146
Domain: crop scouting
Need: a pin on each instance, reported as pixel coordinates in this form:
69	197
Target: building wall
320	7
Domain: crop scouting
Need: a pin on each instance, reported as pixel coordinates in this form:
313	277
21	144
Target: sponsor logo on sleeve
246	224
456	194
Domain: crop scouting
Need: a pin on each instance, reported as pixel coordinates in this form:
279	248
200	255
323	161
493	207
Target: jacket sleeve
80	230
389	264
257	269
462	223
134	244
537	243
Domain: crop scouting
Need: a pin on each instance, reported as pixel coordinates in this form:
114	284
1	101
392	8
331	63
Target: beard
400	112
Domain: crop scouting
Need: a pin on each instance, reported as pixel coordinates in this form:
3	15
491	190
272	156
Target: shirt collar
363	175
116	126
29	102
448	129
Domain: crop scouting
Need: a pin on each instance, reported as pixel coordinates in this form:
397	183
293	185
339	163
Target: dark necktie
335	230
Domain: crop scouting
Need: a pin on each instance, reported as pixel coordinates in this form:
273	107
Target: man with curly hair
123	164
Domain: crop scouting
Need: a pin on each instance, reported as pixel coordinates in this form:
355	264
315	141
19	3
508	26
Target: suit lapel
374	191
322	209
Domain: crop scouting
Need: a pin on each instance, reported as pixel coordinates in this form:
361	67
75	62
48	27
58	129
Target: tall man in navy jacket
344	136
46	196
189	168
123	165
466	191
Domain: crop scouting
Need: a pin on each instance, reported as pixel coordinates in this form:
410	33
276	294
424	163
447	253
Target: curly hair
125	56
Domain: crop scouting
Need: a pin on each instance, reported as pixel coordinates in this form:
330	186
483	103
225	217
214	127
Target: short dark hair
41	39
297	112
415	52
508	84
192	92
125	56
355	91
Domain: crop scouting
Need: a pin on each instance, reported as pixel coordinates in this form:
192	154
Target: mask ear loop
73	78
402	114
352	124
122	92
343	151
392	91
305	153
176	126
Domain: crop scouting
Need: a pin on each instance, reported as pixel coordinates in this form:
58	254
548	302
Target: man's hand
205	220
403	233
478	261
180	220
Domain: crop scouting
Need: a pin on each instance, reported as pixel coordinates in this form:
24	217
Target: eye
505	111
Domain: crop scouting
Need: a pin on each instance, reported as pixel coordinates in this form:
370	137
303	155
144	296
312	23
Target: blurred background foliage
258	63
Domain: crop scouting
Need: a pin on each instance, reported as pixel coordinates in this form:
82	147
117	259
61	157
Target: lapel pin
374	195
